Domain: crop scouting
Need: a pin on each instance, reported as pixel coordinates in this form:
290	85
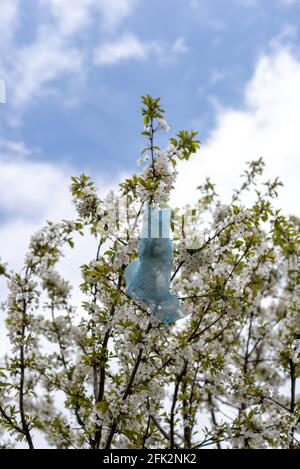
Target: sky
74	71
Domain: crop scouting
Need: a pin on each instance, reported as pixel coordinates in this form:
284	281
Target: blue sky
193	54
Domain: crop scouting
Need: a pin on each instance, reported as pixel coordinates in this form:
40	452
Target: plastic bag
148	278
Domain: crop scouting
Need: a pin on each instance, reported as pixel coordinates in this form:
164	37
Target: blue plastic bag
148	278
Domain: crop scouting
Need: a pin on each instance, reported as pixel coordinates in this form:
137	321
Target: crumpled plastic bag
148	278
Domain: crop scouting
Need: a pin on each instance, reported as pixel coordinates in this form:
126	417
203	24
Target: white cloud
10	147
73	15
267	124
9	21
2	91
290	2
70	15
54	52
129	46
126	47
180	45
31	189
114	12
30	68
31	192
60	48
287	35
37	64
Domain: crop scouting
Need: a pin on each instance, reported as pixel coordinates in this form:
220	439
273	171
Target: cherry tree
109	374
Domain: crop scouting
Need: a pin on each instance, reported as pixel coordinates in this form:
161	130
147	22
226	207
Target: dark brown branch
213	416
25	426
146	434
159	427
127	391
102	371
10	422
187	431
174	402
292	399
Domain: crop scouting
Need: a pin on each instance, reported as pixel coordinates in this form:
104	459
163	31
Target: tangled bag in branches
148	277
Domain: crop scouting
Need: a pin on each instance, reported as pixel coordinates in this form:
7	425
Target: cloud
61	47
39	188
58	48
10	147
129	46
70	16
114	12
180	45
39	63
31	67
267	124
290	2
73	15
9	21
31	192
126	47
2	91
